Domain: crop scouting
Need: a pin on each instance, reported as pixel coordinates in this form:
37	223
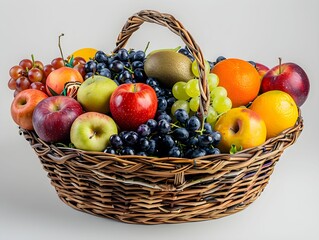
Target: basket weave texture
150	190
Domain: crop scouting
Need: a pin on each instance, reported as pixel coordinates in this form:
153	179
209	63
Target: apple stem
94	70
135	89
94	133
177	48
60	48
280	70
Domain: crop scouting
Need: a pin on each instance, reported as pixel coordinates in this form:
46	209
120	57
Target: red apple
57	79
290	78
23	106
132	104
53	117
261	69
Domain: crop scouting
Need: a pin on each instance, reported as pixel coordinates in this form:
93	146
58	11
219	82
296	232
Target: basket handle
134	22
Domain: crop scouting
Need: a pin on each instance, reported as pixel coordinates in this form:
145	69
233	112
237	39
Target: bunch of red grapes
32	74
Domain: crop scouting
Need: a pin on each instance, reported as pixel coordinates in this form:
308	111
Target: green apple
95	92
91	131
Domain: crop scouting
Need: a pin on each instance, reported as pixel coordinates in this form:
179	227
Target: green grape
212	116
195	68
180	104
222	104
207	67
192	88
218	92
212	80
178	91
194	104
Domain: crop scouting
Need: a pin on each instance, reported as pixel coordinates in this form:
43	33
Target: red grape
81	69
26	64
57	63
22	83
35	75
15	72
39	64
44	80
38	85
12	84
77	60
15	93
48	69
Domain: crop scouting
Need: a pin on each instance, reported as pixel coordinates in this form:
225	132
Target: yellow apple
91	131
94	94
241	127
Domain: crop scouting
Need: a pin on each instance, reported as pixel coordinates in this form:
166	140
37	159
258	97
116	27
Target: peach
57	79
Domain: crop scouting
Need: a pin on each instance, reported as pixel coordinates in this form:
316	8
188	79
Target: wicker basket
149	190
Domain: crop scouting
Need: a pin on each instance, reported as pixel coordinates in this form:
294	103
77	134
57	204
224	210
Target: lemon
278	110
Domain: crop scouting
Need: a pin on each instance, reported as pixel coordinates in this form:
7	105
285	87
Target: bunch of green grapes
188	95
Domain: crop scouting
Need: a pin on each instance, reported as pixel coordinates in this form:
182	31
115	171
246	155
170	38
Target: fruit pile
133	103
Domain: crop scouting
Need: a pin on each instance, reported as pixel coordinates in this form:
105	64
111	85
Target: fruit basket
156	190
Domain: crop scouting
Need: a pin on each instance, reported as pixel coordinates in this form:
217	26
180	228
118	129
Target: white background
251	30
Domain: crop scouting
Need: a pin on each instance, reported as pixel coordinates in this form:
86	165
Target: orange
239	78
278	110
86	53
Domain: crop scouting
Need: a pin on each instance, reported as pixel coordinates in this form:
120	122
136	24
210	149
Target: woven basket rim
296	129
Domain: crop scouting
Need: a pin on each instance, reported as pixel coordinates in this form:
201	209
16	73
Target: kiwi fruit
168	67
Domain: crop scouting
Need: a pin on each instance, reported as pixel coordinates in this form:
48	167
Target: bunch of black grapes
186	137
123	67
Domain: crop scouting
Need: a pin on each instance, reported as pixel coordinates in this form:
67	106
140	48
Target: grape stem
147	45
203	122
128	69
33	62
174	125
60	48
